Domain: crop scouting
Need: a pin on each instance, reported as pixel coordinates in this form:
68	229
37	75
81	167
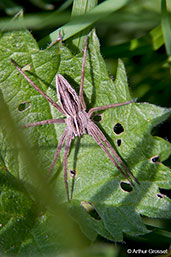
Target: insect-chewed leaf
96	181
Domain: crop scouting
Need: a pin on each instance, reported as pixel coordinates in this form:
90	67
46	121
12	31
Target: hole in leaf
118	129
72	173
119	141
24	106
166	192
91	210
126	186
160	196
97	117
155	159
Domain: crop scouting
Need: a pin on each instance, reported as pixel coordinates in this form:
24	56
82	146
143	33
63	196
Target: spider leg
37	88
95	109
43	122
82	77
58	149
56	41
99	137
67	147
114	153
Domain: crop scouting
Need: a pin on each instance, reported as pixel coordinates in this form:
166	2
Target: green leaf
81	8
82	22
17	212
24	229
97	181
166	28
157	37
56	228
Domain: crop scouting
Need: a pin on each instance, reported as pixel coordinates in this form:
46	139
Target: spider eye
118	128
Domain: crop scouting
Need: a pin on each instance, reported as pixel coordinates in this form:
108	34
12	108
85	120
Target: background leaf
166	27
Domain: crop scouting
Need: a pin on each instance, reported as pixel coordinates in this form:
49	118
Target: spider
78	121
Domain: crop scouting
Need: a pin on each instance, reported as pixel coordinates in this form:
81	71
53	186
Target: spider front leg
81	96
105	107
61	141
50	100
57	40
67	147
58	149
43	122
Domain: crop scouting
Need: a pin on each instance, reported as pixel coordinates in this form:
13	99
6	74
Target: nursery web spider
78	121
